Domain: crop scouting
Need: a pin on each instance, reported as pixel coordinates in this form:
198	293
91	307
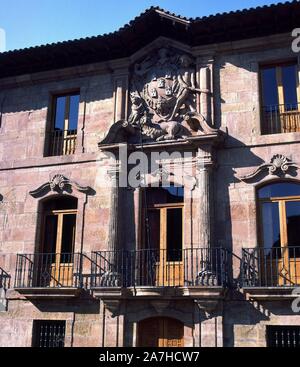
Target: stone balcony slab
270	293
48	293
209	292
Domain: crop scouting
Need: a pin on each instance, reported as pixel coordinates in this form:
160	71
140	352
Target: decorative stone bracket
59	183
279	165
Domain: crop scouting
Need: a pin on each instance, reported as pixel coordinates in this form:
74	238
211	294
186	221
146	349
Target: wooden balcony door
281	97
160	332
59	241
288	106
282	262
166	238
289	266
65	121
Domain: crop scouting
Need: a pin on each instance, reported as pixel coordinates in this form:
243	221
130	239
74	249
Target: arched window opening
55	258
279	217
59	224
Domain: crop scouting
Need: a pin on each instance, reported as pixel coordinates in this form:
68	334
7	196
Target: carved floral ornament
279	165
163	94
59	183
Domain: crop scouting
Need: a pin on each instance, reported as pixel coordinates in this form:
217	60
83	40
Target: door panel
170	265
160	332
45	258
148	333
58	248
173	331
291	254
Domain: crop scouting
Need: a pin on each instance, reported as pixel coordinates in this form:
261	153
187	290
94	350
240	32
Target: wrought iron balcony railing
283	118
160	268
61	142
271	267
51	270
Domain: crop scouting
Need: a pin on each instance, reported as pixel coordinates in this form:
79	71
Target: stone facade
221	211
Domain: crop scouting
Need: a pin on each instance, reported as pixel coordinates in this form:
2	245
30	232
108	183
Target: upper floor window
280	95
62	134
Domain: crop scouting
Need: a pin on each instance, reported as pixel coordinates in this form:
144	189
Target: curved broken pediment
60	184
279	165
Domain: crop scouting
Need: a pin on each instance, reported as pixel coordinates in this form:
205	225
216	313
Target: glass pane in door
293	227
174	234
271	229
50	234
148	269
153	231
68	237
59	122
73	116
269	88
289	83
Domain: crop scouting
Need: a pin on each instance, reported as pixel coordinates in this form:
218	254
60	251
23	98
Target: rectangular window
48	334
280	96
283	336
63	133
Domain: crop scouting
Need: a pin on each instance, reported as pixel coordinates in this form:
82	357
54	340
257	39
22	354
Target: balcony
271	273
49	274
61	142
283	118
195	272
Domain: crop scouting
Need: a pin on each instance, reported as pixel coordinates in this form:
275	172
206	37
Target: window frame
281	200
67	110
278	65
36	327
66	136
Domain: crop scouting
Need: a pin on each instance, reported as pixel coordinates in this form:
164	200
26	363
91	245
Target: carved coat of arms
163	97
165	84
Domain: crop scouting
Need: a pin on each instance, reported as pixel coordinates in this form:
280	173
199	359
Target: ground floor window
48	334
283	336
